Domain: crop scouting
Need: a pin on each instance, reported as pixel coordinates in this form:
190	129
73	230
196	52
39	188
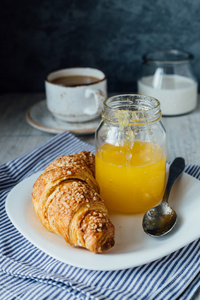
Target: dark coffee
75	80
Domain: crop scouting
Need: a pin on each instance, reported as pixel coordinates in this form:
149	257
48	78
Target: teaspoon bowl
161	219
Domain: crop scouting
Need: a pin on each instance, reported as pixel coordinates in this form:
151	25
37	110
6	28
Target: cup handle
98	97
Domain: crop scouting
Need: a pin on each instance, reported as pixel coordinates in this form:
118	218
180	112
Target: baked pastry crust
67	202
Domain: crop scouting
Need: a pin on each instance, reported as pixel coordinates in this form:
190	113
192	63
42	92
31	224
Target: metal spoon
161	219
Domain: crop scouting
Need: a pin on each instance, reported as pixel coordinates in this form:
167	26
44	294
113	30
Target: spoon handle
176	169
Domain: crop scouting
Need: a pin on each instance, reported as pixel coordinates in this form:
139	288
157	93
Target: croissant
67	202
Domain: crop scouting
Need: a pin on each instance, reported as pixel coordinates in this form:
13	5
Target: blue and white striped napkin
28	273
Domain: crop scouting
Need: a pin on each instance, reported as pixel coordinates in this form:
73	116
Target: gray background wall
41	36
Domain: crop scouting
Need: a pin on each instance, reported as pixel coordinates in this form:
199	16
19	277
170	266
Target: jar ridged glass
130	150
168	76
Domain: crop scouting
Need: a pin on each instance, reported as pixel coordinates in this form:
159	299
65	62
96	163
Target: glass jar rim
167	56
144	110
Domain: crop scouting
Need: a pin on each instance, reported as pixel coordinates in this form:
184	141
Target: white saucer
39	117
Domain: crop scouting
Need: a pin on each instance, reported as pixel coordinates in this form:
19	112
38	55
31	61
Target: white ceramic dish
39	117
133	247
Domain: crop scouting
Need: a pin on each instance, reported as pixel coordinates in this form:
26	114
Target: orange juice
131	180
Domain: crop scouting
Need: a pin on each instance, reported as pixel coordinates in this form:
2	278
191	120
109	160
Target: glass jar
130	153
168	76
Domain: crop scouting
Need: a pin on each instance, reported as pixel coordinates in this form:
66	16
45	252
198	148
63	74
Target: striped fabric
27	273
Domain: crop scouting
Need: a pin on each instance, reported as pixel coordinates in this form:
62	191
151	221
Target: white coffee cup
78	102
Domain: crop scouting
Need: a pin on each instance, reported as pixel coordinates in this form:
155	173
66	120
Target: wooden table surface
18	137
